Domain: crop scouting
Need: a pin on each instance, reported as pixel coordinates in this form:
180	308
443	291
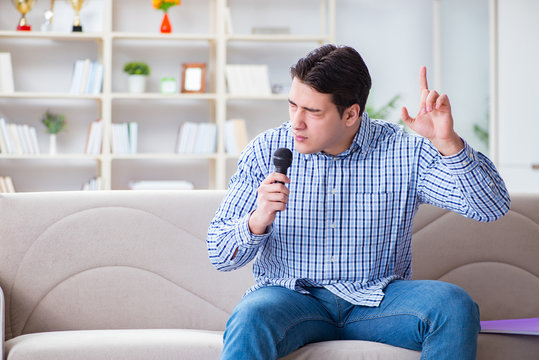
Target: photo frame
193	78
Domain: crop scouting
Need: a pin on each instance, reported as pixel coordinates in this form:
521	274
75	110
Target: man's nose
297	119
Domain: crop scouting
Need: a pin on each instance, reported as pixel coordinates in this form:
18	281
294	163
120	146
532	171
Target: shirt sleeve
466	183
231	244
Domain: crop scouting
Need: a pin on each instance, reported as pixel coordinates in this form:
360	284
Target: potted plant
54	124
138	73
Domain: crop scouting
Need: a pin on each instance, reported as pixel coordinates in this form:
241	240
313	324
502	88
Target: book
236	138
9	184
14	135
6	73
33	137
3	185
248	80
133	137
94	138
3	146
6	136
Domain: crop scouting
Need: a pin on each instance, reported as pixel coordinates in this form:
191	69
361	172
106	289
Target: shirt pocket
372	215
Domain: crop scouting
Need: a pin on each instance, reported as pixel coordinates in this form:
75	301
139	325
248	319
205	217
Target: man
331	242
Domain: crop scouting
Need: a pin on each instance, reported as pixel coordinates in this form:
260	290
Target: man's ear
351	114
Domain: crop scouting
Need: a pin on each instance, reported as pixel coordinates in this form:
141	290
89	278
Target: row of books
87	77
196	138
6	185
124	138
17	139
6	73
95	183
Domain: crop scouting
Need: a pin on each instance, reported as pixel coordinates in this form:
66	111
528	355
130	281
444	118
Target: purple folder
512	326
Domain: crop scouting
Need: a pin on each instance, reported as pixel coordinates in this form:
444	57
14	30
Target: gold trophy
24	6
77	4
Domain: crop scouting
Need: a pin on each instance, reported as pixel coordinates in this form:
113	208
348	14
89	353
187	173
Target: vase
52	144
137	84
165	25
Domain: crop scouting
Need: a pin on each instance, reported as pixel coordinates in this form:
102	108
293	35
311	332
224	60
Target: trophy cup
24	6
77	4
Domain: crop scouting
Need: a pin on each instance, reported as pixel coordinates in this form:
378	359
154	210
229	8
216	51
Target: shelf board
278	97
163	156
278	37
159	36
158	96
51	35
49	95
50	157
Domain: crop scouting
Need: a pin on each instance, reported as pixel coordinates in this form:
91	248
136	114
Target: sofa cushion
116	344
352	350
171	344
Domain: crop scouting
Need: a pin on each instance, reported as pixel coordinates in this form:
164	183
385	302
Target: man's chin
303	149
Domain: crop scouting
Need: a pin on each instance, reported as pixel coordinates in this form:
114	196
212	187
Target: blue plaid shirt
348	222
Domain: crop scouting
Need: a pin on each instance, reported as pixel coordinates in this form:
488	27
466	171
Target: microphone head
282	159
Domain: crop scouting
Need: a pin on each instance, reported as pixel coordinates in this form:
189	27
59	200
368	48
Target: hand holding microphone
272	196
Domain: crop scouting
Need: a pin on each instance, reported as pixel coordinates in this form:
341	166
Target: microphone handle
281	170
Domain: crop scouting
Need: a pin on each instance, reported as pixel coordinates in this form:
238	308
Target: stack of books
18	139
125	138
196	138
6	185
87	77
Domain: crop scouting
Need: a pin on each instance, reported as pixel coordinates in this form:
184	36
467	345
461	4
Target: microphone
282	159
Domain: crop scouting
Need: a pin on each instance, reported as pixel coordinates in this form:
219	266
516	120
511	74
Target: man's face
316	123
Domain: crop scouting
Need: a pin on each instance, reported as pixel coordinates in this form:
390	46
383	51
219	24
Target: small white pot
52	144
137	83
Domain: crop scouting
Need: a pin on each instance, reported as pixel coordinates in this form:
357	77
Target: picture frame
193	78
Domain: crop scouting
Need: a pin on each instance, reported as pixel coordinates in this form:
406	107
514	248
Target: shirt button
334	191
332	259
333	225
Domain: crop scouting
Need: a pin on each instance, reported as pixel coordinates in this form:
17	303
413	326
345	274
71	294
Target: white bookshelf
126	36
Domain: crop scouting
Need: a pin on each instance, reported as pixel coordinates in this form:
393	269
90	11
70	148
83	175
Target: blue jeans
436	317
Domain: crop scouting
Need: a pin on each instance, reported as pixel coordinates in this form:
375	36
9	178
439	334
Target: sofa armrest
2	324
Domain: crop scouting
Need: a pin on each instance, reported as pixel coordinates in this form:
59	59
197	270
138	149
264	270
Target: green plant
137	68
384	111
54	122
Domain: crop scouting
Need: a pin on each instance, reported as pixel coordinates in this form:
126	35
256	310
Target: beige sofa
126	275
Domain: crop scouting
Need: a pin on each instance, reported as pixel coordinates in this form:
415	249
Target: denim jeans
436	317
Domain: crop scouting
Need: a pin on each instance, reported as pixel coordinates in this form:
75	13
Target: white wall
519	93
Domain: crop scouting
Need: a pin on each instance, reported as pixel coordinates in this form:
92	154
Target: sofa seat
169	344
136	344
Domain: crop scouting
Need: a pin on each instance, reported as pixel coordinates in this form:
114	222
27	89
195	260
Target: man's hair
336	70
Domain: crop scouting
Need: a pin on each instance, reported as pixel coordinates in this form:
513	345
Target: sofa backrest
125	259
497	263
112	260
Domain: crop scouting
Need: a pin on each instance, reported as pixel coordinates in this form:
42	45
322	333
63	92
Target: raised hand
434	120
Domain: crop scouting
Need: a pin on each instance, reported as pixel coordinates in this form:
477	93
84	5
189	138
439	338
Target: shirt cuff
462	162
247	238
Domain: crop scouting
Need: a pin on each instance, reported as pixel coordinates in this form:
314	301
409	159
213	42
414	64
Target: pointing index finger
423	79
